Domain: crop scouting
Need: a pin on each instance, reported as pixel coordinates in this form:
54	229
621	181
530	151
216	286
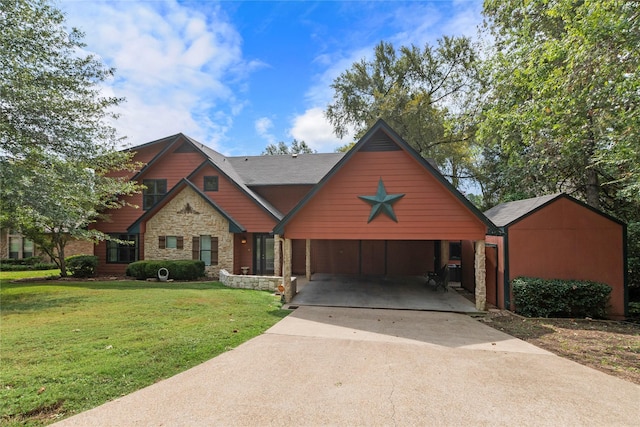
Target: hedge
560	298
82	265
178	270
26	264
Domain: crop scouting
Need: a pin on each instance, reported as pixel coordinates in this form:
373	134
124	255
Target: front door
263	254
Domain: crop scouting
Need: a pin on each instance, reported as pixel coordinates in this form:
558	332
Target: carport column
308	259
481	276
277	255
289	287
444	255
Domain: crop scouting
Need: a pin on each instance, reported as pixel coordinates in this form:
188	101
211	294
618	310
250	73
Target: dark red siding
428	211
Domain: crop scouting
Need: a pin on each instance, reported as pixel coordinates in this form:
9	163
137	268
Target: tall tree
60	164
419	92
563	112
296	147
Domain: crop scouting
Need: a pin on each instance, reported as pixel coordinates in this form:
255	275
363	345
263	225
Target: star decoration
382	202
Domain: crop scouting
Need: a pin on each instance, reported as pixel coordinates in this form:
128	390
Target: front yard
66	347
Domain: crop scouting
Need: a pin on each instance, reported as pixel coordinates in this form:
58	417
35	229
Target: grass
15	275
66	347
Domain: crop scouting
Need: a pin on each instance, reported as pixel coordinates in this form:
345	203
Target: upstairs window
210	183
156	189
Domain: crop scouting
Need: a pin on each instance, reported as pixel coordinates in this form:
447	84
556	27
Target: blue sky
237	75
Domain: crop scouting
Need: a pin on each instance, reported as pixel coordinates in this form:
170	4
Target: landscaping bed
609	346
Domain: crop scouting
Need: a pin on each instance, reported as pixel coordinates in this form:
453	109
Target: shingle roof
506	213
284	169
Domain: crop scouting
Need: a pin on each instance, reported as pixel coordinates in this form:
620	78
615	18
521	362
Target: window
156	189
120	253
205	248
210	183
170	242
20	247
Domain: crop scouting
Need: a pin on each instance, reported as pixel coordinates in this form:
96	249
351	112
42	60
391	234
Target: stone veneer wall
260	283
189	215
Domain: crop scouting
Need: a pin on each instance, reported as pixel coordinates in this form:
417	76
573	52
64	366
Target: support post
277	255
289	287
444	256
308	259
481	276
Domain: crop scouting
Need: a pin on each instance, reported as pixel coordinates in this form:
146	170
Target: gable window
156	189
210	183
20	247
170	242
121	253
205	248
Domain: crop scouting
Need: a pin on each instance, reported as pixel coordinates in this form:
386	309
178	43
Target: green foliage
178	270
297	147
25	264
560	298
420	93
60	168
82	265
561	113
633	260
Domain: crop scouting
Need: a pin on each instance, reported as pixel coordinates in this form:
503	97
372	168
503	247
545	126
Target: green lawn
66	347
13	275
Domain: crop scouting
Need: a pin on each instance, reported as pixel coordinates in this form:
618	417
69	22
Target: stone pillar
308	258
289	286
481	276
277	255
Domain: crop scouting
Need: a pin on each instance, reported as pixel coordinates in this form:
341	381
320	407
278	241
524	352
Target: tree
297	147
563	108
419	93
60	165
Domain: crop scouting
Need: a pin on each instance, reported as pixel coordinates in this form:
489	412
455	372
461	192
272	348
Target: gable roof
506	214
234	226
381	137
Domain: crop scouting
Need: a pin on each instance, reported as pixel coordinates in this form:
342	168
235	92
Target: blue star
382	202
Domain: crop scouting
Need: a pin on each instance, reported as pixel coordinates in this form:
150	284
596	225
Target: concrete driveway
349	367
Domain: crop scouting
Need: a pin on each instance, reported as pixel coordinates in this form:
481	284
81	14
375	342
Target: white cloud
263	127
175	66
313	128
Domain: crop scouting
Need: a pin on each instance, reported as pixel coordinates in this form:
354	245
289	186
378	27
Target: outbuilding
555	237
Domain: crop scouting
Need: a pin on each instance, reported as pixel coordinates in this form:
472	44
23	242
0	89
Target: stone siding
188	215
260	283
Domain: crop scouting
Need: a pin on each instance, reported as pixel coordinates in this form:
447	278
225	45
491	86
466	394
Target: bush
560	298
26	264
82	265
178	270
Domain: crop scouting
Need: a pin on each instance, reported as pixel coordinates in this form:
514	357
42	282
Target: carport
397	292
382	211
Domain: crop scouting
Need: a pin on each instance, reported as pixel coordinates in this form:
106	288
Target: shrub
560	298
178	270
82	265
25	264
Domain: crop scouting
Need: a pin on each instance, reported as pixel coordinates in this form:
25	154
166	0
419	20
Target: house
14	245
379	209
555	237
